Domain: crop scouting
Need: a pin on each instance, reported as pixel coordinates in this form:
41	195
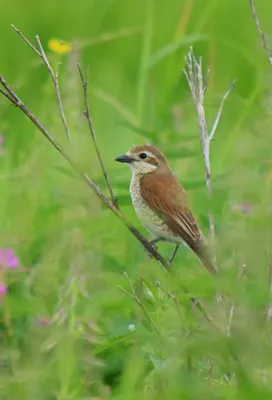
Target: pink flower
8	258
3	289
43	322
243	207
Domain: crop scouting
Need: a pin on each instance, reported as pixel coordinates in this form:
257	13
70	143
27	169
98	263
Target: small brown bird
161	203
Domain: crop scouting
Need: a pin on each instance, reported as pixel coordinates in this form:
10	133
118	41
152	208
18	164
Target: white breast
146	215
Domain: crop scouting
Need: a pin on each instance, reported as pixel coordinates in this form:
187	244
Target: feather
165	196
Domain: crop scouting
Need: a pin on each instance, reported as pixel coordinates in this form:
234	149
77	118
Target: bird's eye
143	156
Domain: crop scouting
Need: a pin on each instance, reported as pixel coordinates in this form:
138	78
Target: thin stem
218	115
194	76
11	95
91	128
56	86
15	100
139	302
27	41
257	23
53	76
195	81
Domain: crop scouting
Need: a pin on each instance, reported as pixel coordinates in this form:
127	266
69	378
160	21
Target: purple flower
243	207
8	258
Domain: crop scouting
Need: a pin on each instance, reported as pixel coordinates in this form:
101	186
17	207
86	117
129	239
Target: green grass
68	331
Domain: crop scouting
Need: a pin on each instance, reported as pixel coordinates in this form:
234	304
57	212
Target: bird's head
144	159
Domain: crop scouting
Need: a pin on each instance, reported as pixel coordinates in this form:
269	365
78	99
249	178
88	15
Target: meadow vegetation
85	312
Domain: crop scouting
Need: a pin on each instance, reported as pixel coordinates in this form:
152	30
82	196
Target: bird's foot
152	244
171	259
155	241
170	262
154	247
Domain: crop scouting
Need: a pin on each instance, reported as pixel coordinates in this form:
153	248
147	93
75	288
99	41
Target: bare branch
15	100
91	128
54	77
218	115
194	76
257	23
6	95
195	81
27	41
10	94
56	86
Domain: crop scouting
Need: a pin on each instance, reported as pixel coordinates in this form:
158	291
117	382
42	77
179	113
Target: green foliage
69	328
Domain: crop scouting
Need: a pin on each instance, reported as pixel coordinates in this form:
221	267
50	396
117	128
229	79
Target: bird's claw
169	262
154	247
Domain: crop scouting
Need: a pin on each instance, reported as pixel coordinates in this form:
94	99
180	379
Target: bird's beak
124	159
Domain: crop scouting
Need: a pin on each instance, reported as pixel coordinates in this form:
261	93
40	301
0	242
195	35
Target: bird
161	204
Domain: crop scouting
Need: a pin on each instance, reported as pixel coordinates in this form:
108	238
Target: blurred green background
67	329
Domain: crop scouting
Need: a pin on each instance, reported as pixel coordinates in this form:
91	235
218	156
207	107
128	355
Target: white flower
131	327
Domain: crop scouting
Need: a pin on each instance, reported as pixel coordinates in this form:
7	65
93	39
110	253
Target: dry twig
9	93
54	77
15	100
257	23
194	76
91	128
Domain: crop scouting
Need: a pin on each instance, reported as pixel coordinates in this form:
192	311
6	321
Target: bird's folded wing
165	196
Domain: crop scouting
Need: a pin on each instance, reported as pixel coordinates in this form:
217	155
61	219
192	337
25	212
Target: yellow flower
59	46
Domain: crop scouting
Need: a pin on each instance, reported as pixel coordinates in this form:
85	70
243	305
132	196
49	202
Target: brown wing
165	196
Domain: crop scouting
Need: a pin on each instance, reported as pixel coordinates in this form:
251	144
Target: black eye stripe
143	156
